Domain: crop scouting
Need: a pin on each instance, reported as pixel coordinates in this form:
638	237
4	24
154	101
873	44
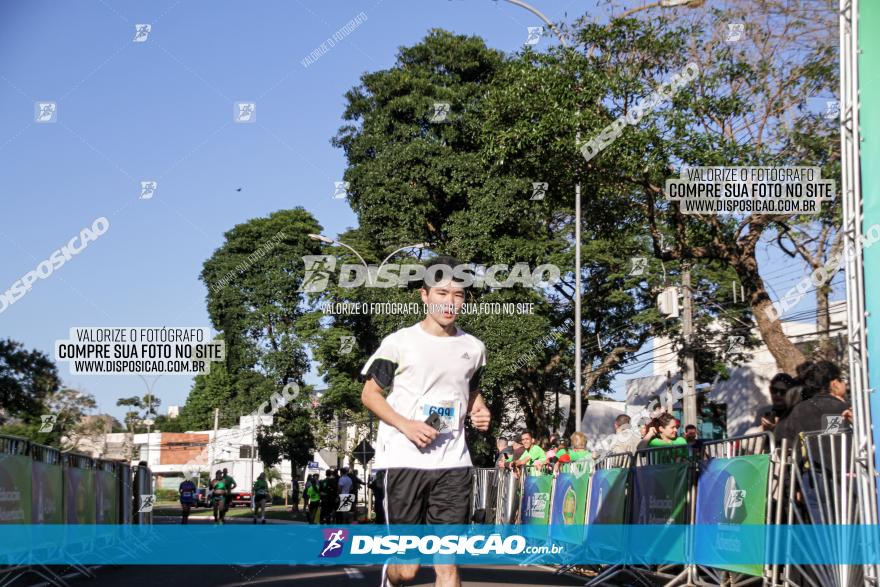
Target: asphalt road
300	575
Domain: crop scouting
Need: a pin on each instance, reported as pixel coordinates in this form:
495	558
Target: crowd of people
322	497
546	454
813	401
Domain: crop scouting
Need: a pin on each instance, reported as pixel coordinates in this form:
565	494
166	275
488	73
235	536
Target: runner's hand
419	433
480	418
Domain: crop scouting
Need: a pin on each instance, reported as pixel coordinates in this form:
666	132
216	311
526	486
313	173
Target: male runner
431	367
230	485
260	492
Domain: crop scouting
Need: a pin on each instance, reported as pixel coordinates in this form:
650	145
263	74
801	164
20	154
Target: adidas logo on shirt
465	356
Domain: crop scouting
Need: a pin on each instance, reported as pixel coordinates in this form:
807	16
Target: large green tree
27	379
465	186
254	299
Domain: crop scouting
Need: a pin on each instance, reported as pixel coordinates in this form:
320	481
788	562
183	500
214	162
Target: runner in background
230	484
261	496
219	494
187	491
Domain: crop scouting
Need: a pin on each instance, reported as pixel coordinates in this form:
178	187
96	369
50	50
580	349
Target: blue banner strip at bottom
715	545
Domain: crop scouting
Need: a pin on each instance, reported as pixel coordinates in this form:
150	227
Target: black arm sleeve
382	370
475	379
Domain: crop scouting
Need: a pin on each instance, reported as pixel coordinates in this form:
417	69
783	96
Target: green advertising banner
730	493
570	502
660	494
107	498
607	505
15	489
660	498
608	497
535	507
79	495
47	494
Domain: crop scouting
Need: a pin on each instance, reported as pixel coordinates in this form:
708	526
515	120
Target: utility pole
253	447
214	444
689	401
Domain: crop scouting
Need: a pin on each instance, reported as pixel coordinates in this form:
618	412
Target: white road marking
353	573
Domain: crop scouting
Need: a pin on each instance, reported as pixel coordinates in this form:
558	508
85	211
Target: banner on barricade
15	489
660	499
47	488
79	495
570	502
660	494
607	506
608	497
535	505
107	499
730	493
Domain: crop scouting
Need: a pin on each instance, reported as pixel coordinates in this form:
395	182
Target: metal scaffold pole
851	190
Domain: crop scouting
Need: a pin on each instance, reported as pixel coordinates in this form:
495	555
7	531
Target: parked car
243	498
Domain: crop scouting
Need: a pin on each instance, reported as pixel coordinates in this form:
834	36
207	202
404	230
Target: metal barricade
823	490
598	511
508	497
123	479
143	495
484	496
719	456
671	472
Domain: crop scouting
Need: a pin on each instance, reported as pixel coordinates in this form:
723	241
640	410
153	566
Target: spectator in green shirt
312	494
532	452
578	452
663	431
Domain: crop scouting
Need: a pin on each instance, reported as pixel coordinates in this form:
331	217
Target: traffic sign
364	452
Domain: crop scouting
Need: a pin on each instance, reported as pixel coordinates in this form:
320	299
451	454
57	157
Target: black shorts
427	496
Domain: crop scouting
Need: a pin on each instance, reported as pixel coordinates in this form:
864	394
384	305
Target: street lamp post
149	421
330	241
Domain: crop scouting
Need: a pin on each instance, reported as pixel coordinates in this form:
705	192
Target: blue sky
162	110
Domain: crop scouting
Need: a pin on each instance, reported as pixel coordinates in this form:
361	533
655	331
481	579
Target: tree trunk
823	324
787	355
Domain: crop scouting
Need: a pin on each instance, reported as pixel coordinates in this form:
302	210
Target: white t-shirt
426	373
